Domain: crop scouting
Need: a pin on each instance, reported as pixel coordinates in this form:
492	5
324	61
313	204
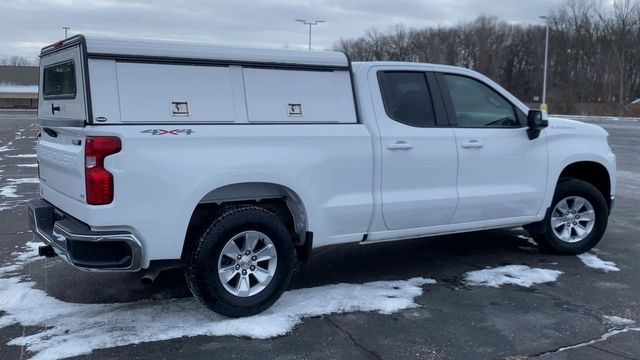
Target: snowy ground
490	294
31	89
598	118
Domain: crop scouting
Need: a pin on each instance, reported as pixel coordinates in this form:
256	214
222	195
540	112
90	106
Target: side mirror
536	121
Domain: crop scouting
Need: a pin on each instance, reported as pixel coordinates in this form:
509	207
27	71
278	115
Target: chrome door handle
472	144
400	145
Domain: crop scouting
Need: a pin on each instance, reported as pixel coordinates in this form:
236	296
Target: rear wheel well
277	199
593	173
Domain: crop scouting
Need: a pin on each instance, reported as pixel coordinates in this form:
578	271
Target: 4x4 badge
168	132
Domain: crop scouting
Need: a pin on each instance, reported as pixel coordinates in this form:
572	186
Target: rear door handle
472	144
400	145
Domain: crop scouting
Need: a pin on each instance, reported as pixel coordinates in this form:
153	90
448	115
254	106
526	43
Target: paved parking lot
48	309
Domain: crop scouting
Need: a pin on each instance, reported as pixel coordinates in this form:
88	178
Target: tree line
17	61
594	55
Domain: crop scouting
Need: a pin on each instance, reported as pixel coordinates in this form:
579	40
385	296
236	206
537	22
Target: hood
559	124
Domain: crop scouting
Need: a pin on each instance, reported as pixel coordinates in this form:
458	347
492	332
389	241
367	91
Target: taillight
98	180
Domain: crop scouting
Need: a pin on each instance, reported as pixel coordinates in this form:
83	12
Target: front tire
242	263
576	220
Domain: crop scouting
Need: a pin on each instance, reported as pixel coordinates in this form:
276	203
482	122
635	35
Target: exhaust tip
147	280
46	250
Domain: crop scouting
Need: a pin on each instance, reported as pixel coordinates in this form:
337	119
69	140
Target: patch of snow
604	337
593	261
529	239
5	148
23	156
588	117
520	275
618	321
28	165
8	191
23	89
24	181
21	258
71	329
75	329
6	205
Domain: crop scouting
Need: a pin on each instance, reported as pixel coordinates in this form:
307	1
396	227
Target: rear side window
59	81
407	98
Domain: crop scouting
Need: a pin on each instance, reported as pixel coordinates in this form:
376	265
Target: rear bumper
83	248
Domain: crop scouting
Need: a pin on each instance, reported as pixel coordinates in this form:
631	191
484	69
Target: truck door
419	157
501	173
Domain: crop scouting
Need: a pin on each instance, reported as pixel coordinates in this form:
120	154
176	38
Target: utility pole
310	23
543	106
66	28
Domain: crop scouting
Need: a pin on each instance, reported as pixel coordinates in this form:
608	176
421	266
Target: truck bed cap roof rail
126	48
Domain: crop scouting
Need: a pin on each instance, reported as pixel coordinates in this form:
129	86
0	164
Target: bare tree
594	56
16	61
620	27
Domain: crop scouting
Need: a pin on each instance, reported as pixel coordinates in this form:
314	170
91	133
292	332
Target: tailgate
61	161
62	113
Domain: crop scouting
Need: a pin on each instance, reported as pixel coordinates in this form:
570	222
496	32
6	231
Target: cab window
407	98
477	105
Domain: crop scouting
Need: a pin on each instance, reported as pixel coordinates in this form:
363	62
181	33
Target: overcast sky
28	25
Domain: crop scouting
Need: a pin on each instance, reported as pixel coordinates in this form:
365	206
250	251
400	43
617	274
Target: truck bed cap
164	49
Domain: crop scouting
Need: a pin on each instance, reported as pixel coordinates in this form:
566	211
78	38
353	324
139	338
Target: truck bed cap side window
407	98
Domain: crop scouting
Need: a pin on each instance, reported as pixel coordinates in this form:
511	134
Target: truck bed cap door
62	98
62	113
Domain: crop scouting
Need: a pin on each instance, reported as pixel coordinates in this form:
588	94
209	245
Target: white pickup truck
235	163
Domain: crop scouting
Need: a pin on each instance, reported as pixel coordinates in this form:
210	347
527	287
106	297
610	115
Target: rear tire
242	263
576	220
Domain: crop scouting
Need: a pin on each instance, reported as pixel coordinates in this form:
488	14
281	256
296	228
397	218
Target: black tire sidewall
202	270
585	190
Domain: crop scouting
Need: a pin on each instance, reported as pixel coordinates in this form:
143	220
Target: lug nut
252	268
239	257
573	211
237	267
247	252
577	216
254	258
244	272
564	219
575	223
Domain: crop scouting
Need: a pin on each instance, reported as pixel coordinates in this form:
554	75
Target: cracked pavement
556	320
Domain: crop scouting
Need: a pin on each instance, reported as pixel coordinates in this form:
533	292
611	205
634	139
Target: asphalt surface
454	320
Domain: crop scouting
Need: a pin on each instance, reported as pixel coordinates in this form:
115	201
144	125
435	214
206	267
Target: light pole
310	23
66	28
543	106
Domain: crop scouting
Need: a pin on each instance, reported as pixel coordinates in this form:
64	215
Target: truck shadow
444	258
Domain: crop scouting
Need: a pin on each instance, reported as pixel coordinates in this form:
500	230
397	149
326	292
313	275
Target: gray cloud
28	25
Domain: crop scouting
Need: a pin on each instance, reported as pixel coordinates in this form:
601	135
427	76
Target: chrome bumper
83	248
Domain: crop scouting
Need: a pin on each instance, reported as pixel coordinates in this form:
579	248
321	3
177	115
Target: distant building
19	87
